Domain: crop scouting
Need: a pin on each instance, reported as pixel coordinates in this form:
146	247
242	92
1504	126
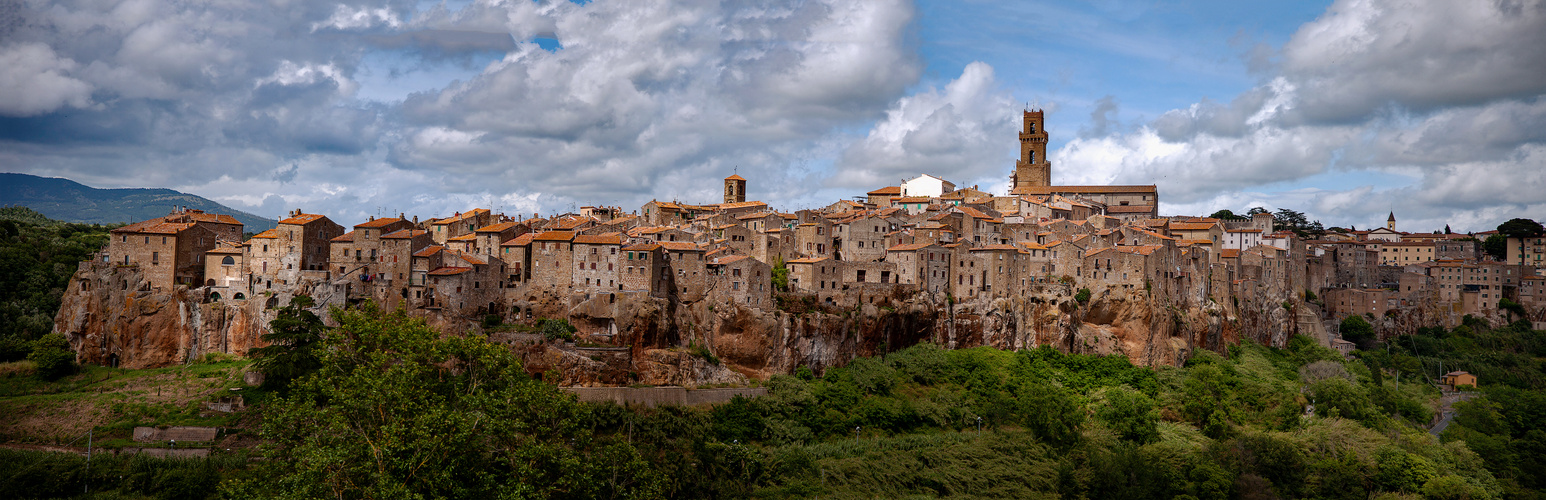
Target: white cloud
965	132
36	80
1449	95
352	18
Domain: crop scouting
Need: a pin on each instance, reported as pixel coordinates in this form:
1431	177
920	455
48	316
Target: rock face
111	318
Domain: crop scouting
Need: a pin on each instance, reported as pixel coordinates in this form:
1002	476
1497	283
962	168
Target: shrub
53	356
556	329
17	369
703	352
13	348
1131	414
1083	296
491	322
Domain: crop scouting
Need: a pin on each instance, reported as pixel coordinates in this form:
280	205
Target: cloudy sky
1343	110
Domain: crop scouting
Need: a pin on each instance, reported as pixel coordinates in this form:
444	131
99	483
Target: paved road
1446	411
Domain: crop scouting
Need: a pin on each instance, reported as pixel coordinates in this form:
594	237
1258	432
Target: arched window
228	261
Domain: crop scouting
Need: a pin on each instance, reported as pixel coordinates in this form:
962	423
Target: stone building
552	261
167	253
306	237
645	269
924	264
442	230
818	275
813	239
224	267
597	261
687	269
742	280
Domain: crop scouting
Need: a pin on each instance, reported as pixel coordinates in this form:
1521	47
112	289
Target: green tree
780	275
1357	330
1521	228
1053	413
1256	210
1131	414
294	337
53	356
1225	214
1083	296
1496	246
398	411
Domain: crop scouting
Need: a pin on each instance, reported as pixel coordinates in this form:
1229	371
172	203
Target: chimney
372	219
402	215
415	220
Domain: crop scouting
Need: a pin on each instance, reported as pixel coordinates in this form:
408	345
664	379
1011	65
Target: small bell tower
735	189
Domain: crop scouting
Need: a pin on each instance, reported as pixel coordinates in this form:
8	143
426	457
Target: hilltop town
662	293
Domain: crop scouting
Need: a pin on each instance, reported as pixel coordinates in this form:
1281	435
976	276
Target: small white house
926	186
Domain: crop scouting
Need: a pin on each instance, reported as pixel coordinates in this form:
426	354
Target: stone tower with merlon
1032	169
735	189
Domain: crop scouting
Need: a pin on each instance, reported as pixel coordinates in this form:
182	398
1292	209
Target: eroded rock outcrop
112	318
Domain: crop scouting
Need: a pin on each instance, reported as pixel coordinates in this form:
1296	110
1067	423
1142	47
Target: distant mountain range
67	200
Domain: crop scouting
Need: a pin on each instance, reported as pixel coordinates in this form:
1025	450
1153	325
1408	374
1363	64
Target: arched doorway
239	296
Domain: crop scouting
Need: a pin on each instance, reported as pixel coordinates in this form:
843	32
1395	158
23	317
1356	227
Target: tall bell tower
1032	169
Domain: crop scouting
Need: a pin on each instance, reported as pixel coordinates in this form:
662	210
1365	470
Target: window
228	261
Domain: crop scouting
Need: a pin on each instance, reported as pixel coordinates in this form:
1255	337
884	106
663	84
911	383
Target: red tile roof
888	190
555	236
519	241
600	239
428	251
404	234
303	219
380	222
274	234
497	228
344	238
449	271
681	246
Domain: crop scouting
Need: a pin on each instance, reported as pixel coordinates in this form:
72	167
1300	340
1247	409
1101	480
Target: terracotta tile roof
274	234
1031	245
807	260
643	247
908	247
649	230
1229	253
1242	230
1194	242
569	223
754	215
429	251
599	239
730	259
742	204
155	227
681	246
379	222
554	236
214	218
1152	233
463	216
449	271
1140	249
735	178
472	259
404	234
995	247
498	228
303	219
1192	226
344	238
226	247
1129	209
1037	190
465	237
911	199
1098	251
519	241
888	190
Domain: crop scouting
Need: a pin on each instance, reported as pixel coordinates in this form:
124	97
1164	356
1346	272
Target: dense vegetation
37	258
394	410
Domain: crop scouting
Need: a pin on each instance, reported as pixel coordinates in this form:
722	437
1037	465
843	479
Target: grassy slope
114	401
